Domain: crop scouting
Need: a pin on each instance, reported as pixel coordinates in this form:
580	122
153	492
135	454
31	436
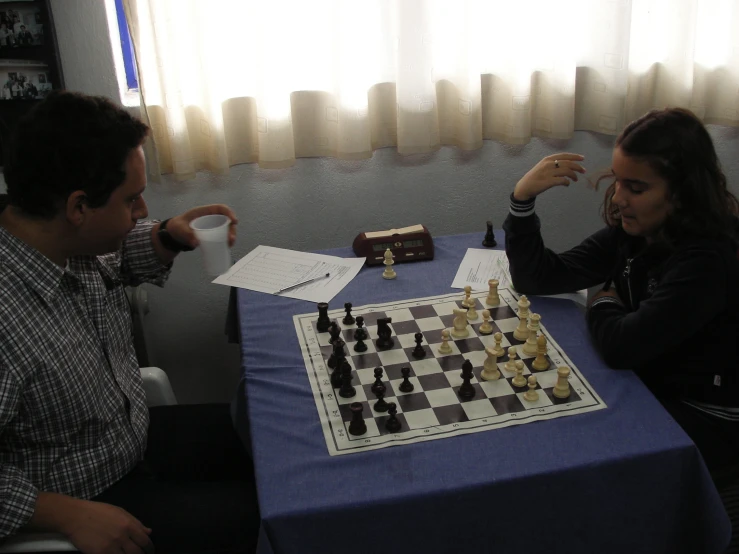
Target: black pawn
392	424
346	390
418	351
406	385
489	240
381	405
466	390
348	318
378	380
323	320
357	425
335	331
360	346
361	332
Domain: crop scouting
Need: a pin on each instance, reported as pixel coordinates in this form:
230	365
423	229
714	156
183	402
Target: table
623	479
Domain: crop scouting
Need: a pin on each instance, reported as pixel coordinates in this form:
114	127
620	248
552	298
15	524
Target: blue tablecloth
622	479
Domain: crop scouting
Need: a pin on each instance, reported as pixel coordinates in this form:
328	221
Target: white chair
158	393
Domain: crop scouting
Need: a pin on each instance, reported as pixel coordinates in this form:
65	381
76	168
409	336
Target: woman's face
640	194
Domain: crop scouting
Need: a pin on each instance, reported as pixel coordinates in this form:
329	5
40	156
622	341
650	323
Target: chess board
433	410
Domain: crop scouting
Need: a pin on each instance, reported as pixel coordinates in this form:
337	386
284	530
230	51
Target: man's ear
77	209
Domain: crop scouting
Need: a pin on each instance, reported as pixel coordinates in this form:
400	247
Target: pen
296	285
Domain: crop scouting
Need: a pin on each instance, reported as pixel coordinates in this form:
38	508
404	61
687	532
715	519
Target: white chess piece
510	365
530	347
521	332
493	299
472	312
490	366
389	272
498	348
541	363
485	328
562	388
532	395
460	323
519	380
445	348
468	300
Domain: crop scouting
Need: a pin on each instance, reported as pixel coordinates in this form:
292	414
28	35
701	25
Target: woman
669	308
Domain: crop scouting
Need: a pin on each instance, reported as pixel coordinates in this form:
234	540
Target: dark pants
195	488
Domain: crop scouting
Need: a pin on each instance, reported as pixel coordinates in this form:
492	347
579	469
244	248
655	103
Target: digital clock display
406	244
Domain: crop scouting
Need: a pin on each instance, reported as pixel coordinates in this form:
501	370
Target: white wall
322	203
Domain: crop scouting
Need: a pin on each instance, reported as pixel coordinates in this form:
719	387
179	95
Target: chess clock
408	244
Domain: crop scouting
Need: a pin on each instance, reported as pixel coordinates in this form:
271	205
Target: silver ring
556	164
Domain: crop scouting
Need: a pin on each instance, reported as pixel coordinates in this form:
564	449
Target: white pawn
562	388
445	348
532	395
460	323
472	312
490	366
485	328
521	332
493	299
519	380
541	363
389	272
468	300
498	348
530	347
510	365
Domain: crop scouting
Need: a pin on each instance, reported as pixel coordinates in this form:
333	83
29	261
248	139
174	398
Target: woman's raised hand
555	170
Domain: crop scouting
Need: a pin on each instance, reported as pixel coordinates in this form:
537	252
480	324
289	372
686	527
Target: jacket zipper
627	273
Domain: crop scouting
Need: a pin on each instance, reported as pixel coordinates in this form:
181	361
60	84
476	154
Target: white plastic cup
212	232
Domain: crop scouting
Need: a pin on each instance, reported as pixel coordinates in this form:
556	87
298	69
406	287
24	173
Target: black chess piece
348	318
378	380
418	351
339	360
489	240
384	339
324	321
360	346
392	424
346	390
380	405
337	353
357	426
466	390
335	331
361	332
406	385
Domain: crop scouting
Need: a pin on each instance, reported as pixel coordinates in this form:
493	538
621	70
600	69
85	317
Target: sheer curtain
234	81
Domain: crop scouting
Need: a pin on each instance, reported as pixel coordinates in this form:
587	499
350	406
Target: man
25	38
78	454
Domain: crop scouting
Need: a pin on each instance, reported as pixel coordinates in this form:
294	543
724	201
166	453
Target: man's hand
93	527
552	171
179	226
601	293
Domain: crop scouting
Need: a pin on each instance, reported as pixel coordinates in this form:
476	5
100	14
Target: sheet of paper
267	269
480	265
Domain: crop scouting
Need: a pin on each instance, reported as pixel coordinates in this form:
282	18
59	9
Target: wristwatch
168	242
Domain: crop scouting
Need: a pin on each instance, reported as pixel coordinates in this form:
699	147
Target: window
132	81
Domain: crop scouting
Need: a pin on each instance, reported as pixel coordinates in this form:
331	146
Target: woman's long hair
676	144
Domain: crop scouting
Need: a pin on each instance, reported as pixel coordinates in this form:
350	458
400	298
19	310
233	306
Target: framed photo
20	25
24	80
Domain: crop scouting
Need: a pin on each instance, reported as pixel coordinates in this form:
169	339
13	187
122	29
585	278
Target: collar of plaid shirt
73	413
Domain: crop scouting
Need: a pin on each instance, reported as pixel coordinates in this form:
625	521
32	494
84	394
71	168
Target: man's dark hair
676	144
69	142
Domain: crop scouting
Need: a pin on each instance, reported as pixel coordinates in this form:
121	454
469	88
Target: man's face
106	227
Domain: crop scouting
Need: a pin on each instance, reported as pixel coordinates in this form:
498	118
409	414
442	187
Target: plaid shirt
73	415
